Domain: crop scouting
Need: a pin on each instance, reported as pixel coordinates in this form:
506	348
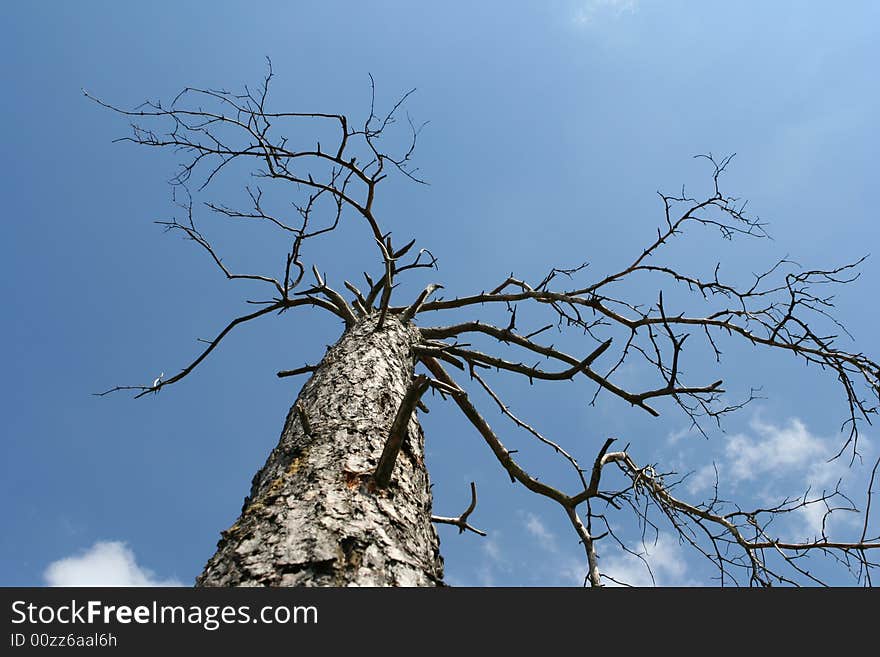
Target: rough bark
314	516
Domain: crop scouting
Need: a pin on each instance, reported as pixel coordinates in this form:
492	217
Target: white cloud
492	563
106	563
588	11
704	478
487	569
771	463
791	452
774	450
492	550
812	517
823	477
564	569
571	571
536	528
664	556
486	576
673	437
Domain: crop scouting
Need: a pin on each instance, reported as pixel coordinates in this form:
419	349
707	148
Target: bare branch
461	521
359	298
336	299
306	369
726	531
501	453
410	312
385	467
211	346
388	284
555	446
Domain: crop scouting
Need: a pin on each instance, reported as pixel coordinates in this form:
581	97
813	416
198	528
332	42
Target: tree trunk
314	517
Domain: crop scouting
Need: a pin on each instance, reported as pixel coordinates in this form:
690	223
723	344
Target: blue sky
552	126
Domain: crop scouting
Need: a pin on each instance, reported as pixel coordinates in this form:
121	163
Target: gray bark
314	516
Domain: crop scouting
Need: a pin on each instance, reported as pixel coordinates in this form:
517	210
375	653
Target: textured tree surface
314	516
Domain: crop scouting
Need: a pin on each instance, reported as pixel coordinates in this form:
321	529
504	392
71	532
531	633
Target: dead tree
345	498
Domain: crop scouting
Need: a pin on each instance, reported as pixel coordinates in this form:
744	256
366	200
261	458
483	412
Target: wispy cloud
779	456
664	556
566	570
773	450
703	479
588	12
492	550
106	563
825	475
493	563
673	437
536	527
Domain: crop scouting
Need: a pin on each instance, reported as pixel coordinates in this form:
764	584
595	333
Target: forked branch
461	521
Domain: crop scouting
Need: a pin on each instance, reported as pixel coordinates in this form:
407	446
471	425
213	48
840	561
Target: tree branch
385	467
461	521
